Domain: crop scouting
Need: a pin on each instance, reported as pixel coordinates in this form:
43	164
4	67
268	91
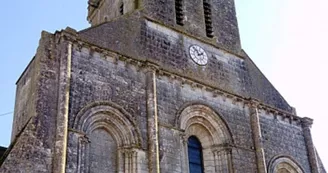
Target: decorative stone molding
109	115
283	163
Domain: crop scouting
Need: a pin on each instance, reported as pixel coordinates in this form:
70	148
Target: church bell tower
213	21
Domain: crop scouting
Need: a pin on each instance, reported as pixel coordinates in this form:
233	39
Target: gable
148	41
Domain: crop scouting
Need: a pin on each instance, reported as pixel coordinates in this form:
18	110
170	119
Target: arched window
208	147
284	164
195	155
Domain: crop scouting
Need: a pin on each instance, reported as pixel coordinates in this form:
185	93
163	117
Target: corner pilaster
306	125
59	163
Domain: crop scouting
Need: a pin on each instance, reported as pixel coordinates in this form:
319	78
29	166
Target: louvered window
122	9
179	12
208	18
195	155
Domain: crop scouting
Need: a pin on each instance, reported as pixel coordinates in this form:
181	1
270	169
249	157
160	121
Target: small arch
111	117
284	164
201	113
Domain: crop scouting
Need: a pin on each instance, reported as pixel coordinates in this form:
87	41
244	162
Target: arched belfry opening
204	129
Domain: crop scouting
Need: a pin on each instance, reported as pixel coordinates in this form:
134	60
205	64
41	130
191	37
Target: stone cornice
307	122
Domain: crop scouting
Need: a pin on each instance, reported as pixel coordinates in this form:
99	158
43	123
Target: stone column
59	161
129	160
306	124
257	137
83	154
184	154
223	159
229	155
152	119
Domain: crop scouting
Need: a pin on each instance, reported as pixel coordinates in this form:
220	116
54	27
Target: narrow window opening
195	155
208	18
122	9
179	12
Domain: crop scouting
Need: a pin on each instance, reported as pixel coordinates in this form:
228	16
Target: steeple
100	11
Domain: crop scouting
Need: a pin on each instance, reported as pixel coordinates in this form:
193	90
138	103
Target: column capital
254	103
85	139
222	147
184	137
150	67
307	122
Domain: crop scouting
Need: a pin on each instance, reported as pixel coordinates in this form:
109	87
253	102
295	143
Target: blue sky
286	39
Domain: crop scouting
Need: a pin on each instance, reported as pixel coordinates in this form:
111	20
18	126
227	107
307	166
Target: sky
287	40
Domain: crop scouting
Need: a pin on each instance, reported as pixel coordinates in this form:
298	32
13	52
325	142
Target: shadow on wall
2	151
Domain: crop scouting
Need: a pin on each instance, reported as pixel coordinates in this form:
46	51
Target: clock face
198	55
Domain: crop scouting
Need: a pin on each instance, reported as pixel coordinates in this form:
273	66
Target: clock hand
195	49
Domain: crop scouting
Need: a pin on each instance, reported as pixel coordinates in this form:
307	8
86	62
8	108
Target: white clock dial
198	55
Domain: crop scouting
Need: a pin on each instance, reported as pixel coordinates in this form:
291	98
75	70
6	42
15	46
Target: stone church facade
158	86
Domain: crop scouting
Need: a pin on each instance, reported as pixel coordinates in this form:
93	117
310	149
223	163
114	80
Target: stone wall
104	79
25	98
224	20
33	140
131	85
174	96
174	93
169	49
283	136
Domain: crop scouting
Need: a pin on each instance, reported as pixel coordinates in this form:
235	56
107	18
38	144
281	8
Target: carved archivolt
118	131
201	121
284	164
